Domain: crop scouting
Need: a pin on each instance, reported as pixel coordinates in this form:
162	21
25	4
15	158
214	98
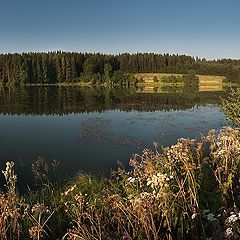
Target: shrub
230	106
155	79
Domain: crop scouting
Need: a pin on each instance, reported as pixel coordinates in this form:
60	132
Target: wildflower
34	232
149	182
211	217
233	218
10	177
194	216
79	198
131	179
39	208
229	232
69	190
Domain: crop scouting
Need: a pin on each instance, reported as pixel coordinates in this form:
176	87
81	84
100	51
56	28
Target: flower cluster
10	177
159	180
69	190
40	208
232	225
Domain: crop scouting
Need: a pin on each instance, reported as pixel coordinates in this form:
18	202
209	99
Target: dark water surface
90	129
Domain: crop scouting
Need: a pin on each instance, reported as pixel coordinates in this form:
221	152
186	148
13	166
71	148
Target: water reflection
66	100
91	129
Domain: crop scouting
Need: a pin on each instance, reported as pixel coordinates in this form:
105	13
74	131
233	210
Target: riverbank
146	80
189	190
170	195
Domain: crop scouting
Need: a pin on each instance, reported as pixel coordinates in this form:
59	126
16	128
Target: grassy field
204	80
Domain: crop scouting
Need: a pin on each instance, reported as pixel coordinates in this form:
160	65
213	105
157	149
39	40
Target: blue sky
204	28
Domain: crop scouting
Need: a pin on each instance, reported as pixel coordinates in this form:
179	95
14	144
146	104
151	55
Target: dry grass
203	79
209	88
161	197
187	191
148	77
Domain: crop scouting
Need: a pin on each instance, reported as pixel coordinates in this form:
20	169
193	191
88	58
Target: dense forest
65	67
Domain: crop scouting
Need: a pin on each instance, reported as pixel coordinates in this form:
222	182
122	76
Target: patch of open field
148	77
203	79
210	88
213	80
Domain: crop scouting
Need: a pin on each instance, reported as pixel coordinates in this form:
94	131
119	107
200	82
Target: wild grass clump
36	214
187	191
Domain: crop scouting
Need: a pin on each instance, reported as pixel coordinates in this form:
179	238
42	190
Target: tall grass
165	196
187	191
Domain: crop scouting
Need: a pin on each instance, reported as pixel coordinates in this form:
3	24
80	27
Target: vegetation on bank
64	67
231	107
173	78
187	191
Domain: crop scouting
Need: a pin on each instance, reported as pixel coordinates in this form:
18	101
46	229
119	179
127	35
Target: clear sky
204	28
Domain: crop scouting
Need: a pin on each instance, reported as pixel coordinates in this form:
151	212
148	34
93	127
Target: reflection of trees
65	100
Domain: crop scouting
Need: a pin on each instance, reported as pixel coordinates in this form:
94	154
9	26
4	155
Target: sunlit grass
184	191
203	79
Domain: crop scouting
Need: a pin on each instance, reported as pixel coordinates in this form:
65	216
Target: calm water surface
90	129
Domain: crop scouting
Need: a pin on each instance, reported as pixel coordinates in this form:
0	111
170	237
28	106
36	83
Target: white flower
229	232
149	182
194	216
211	217
233	218
131	179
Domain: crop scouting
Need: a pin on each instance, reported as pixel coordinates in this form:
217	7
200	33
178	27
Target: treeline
64	67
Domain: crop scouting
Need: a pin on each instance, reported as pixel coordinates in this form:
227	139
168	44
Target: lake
92	129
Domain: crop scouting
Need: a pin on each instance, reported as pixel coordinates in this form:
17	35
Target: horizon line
118	53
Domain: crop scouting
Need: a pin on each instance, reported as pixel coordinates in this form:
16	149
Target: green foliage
171	79
230	106
123	79
155	79
107	72
89	68
191	78
141	80
232	75
60	67
191	82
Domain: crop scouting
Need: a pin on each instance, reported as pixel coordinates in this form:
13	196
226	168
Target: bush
231	106
155	79
170	79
